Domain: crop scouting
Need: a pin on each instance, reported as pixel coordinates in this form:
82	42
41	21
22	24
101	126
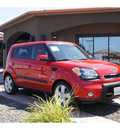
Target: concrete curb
24	99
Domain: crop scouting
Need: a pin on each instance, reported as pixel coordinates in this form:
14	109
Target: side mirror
42	58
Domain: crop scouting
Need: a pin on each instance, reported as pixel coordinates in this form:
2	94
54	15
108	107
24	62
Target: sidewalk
1	75
79	116
1	69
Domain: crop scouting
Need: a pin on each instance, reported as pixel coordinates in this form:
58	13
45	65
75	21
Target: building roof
31	14
1	37
42	42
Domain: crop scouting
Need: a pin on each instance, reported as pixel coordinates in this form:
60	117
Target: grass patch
48	110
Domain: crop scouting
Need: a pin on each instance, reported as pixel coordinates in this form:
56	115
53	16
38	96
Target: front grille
112	76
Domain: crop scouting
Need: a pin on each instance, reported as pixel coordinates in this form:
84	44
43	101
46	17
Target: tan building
1	49
1	37
93	29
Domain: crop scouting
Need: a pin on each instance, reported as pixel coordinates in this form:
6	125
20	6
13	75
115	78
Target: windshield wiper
82	59
64	59
70	59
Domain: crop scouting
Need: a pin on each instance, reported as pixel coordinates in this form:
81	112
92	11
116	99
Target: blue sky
8	13
10	9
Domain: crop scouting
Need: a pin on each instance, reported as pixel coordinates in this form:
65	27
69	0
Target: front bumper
106	93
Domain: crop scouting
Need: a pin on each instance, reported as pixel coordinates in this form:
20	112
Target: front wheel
9	85
62	93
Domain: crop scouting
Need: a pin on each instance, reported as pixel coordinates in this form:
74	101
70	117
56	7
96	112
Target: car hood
100	66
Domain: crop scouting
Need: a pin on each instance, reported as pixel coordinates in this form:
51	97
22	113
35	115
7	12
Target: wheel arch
6	74
57	81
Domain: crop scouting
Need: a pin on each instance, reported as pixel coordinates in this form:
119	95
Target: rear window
23	52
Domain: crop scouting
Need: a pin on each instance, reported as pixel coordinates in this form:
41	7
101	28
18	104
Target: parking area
1	77
86	113
18	102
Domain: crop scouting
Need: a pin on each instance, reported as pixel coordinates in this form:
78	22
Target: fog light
90	94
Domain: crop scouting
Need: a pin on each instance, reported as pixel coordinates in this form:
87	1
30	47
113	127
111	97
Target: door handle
13	63
29	66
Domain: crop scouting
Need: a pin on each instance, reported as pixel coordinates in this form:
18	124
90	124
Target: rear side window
23	52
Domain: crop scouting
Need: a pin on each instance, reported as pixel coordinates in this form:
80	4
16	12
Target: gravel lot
111	112
10	111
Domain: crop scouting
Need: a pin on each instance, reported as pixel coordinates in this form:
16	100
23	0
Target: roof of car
42	42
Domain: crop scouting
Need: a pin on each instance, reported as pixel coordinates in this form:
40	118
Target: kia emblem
112	70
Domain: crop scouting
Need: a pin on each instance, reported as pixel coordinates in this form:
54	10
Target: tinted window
22	52
38	50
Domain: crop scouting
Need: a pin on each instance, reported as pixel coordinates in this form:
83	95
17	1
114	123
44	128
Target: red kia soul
59	68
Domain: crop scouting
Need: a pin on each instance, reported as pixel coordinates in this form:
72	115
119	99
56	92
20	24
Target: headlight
85	73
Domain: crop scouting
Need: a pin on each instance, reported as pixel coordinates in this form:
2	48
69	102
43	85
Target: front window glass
66	52
38	50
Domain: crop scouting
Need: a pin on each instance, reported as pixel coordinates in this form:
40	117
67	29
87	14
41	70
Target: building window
101	48
106	48
54	36
87	44
114	49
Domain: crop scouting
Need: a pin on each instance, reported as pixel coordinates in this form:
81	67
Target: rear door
20	61
30	72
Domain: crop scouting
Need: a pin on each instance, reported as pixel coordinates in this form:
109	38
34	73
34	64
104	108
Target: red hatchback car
59	67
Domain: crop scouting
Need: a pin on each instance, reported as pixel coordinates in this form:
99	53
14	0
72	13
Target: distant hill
105	51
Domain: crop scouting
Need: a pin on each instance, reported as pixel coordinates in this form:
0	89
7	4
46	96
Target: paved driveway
1	76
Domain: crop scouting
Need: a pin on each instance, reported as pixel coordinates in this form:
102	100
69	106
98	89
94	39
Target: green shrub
49	110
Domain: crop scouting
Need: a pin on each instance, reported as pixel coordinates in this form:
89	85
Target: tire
62	93
9	85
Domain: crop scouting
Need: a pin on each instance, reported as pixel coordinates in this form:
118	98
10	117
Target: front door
39	72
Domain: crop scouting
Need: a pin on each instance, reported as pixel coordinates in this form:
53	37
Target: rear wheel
9	85
62	93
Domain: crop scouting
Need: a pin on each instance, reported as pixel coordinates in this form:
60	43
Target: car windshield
64	52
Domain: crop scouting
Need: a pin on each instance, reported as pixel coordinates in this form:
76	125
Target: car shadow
11	103
33	93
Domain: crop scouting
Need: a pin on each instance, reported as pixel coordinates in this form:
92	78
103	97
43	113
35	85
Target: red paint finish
42	73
